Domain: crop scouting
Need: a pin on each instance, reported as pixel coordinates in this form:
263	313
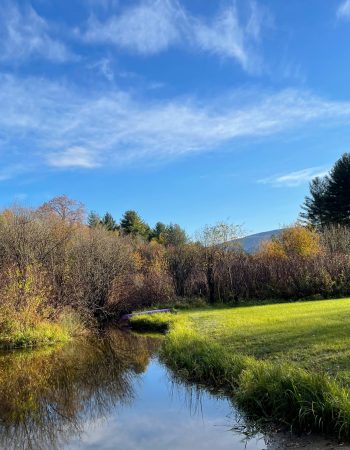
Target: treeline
298	263
132	224
50	259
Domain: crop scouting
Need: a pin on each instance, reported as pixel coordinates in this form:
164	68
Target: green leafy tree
132	223
174	235
329	200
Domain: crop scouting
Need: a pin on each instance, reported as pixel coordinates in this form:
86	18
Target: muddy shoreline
308	442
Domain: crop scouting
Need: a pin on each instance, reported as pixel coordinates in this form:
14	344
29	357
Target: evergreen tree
338	192
158	232
329	200
94	219
315	208
132	223
108	222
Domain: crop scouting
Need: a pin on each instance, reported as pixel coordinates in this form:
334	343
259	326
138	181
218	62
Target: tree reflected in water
47	395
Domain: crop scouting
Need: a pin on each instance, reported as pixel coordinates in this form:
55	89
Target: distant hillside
252	242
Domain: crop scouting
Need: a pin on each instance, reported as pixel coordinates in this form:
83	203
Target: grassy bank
288	363
158	323
20	334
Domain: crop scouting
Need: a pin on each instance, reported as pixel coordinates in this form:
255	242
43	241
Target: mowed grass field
314	335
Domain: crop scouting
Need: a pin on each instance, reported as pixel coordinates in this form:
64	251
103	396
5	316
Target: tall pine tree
329	200
338	191
132	223
108	222
94	219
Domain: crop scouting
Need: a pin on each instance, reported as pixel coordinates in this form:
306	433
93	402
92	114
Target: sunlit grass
40	332
284	362
313	335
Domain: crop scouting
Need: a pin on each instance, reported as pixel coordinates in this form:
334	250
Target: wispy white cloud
223	36
227	36
343	11
295	179
9	171
73	157
104	67
153	26
25	34
63	125
257	19
147	28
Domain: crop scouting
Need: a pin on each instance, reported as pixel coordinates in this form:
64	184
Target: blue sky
187	111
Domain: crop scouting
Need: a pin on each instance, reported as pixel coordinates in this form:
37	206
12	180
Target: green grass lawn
288	362
313	335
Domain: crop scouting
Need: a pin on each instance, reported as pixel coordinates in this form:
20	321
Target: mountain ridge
252	242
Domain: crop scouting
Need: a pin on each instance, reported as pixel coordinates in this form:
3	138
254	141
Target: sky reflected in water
108	393
162	416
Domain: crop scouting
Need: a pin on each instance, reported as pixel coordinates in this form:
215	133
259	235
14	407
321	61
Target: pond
114	393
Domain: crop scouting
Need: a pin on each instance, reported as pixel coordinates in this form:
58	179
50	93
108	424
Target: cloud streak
343	11
24	34
73	157
62	125
146	28
153	26
295	179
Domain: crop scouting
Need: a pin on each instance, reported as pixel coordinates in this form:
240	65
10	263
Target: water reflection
160	418
112	393
47	396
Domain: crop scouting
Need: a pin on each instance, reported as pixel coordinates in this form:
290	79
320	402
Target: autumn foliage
296	241
51	260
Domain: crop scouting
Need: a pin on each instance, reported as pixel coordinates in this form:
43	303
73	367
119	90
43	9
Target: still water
110	393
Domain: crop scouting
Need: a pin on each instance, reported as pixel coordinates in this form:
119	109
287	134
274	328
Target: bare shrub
154	283
184	267
101	272
335	239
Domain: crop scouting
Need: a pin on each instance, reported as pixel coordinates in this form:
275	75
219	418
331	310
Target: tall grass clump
301	399
158	322
264	390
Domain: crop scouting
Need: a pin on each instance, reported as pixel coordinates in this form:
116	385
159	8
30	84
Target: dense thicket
50	260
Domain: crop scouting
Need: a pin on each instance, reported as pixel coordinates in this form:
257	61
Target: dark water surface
110	393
